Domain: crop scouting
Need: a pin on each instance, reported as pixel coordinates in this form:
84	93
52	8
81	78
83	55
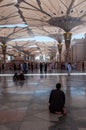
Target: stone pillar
4	48
67	38
60	51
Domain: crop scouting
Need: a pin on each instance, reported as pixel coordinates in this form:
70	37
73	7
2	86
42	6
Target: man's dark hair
58	85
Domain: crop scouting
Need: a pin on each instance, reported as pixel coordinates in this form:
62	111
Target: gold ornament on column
67	35
4	47
19	54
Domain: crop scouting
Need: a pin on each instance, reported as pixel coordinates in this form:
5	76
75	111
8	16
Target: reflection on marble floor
24	104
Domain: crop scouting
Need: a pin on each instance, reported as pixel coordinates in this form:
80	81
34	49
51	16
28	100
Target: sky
78	36
38	38
12	26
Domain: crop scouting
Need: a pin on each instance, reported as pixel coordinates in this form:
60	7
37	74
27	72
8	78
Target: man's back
56	100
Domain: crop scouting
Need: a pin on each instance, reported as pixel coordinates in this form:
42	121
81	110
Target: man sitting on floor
57	100
15	77
18	77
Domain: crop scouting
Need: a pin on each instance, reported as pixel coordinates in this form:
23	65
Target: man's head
58	85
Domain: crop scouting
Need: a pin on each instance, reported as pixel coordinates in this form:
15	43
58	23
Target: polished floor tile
24	104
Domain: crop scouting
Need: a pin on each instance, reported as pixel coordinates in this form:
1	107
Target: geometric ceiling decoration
8	34
44	17
65	14
9	13
45	30
50	31
33	47
14	47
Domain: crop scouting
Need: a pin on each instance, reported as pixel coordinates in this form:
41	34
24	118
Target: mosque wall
79	52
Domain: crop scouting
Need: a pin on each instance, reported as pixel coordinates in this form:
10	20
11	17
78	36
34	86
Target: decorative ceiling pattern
44	18
65	14
34	47
8	34
9	13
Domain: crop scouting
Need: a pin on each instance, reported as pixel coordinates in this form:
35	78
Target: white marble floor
24	104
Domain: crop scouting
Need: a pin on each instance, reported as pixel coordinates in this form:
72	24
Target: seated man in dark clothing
15	77
21	76
57	100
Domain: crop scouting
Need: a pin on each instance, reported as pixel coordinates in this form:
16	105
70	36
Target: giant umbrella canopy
65	14
68	15
8	34
33	48
9	14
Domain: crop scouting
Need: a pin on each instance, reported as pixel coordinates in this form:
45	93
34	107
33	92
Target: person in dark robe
57	100
21	76
15	77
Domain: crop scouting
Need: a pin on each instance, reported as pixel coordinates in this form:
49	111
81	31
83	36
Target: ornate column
3	40
19	54
4	48
60	51
59	38
67	38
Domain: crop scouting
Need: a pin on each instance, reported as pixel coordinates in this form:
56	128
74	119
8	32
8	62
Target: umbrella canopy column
4	48
60	51
67	38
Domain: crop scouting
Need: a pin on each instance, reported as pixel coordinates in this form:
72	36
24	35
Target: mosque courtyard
24	104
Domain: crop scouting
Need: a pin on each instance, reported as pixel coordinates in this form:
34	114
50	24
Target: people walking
69	68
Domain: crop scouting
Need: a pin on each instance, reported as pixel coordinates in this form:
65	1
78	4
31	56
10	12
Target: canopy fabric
49	18
65	14
9	13
32	47
8	34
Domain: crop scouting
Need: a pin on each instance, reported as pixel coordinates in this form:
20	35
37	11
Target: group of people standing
46	67
43	67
